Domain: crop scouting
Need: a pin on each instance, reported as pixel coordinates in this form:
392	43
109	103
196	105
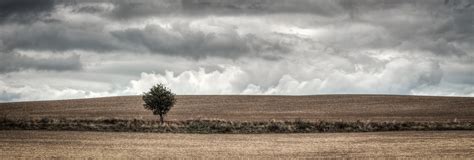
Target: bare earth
258	108
110	145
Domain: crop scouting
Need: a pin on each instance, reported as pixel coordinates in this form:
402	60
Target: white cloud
400	76
191	82
44	92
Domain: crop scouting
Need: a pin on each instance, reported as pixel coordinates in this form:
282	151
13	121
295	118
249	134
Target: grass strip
222	126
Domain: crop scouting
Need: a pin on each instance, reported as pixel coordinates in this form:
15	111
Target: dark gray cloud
11	62
57	36
143	8
25	11
183	41
125	9
140	8
180	40
439	27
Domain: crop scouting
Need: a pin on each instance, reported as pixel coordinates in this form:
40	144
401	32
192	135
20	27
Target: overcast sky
78	49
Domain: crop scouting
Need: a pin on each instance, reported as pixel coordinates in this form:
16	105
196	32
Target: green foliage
159	100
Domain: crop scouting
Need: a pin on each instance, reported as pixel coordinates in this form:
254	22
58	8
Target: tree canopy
159	100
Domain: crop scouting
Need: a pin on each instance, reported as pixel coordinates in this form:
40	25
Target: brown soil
112	145
258	108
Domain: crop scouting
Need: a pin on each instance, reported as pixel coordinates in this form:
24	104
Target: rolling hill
257	108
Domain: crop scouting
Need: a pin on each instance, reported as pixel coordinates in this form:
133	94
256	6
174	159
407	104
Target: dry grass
221	126
258	108
110	145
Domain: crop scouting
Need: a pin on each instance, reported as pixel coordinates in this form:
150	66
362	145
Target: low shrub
222	126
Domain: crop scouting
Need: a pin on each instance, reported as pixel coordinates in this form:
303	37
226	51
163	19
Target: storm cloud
25	11
181	40
235	47
10	62
137	9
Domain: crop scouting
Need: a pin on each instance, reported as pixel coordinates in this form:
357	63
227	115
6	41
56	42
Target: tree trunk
161	119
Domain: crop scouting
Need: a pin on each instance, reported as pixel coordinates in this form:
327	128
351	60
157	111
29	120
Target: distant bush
221	126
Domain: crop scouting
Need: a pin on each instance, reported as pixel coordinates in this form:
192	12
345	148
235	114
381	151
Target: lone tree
159	100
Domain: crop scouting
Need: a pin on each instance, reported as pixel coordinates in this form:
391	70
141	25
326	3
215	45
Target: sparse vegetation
159	100
222	126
